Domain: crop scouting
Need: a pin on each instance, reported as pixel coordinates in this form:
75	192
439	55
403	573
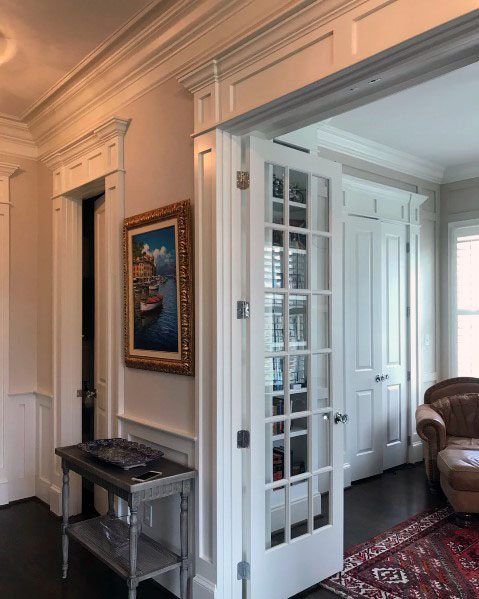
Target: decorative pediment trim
7	169
15	138
91	156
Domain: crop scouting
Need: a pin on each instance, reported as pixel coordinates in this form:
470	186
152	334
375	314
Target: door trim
81	169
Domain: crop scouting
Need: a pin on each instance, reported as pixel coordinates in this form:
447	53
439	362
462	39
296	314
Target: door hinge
408	375
409	440
408	247
243	570
242	310
408	312
242	439
242	179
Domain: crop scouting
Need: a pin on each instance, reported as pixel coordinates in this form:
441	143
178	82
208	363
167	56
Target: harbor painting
158	290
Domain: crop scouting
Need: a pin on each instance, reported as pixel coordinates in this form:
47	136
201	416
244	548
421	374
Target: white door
375	345
394	343
363	345
101	337
294	481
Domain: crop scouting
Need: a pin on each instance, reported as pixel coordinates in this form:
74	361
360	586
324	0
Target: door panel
101	339
394	329
363	345
294	476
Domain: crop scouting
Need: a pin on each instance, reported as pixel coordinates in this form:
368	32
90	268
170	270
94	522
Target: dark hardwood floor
30	541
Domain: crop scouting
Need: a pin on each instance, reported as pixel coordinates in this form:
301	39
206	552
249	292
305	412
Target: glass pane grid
298	416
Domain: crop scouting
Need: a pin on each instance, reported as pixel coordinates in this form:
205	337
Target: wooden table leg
132	582
65	501
184	543
111	504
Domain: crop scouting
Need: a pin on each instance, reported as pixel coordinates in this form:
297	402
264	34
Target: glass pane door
297	294
294	476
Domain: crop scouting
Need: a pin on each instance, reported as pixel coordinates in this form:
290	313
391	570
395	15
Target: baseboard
203	588
4	495
415	452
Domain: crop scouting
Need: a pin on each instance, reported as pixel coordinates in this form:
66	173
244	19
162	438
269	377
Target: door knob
378	378
340	418
386	376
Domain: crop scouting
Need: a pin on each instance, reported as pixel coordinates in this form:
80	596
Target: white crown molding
161	43
15	138
344	142
461	172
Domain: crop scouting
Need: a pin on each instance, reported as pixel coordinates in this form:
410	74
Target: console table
143	557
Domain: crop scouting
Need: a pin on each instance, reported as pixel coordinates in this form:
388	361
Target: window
466	301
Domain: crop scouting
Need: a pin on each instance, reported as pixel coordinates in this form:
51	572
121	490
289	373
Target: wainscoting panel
179	447
20	436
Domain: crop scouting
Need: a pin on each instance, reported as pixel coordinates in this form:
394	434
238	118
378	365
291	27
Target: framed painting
158	265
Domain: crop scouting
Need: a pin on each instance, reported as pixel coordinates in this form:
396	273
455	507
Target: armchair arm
431	428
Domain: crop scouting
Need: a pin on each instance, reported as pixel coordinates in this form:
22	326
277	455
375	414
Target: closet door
394	343
363	344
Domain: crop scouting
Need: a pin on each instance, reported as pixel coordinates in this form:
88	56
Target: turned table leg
111	504
65	500
132	582
184	545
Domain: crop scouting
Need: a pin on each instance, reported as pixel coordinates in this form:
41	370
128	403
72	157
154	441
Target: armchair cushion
460	414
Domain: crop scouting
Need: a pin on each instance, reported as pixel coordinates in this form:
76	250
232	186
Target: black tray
120	452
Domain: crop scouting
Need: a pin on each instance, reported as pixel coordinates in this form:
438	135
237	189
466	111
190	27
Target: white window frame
457	229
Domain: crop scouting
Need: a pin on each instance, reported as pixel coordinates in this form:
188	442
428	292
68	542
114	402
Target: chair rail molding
90	164
6	171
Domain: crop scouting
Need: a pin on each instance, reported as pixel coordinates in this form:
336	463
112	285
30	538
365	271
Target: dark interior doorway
88	337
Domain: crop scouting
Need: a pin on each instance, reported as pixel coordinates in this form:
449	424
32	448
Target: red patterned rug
425	557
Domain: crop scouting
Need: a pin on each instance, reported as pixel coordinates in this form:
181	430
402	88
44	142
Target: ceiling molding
461	172
15	138
344	142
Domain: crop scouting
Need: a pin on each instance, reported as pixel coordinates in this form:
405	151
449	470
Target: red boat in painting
155	302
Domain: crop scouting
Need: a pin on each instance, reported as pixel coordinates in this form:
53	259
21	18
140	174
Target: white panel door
294	474
394	343
363	344
101	337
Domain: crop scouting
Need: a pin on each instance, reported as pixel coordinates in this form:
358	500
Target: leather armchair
449	417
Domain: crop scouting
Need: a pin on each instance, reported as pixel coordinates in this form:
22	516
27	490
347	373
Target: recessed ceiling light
8	46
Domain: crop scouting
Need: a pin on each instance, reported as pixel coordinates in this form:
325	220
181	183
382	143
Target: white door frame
90	165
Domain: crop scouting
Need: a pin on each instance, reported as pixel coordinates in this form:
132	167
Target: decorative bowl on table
120	452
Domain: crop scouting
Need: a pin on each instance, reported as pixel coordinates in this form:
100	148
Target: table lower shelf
153	559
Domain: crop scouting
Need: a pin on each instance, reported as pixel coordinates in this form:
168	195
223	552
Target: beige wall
159	171
23	275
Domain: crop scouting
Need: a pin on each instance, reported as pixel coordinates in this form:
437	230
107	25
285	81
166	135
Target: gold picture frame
158	290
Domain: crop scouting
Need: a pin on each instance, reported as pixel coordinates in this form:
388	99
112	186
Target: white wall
459	202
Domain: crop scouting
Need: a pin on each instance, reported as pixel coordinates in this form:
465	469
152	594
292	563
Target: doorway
90	239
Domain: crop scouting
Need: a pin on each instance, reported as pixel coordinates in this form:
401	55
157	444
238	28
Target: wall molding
16	139
166	430
344	142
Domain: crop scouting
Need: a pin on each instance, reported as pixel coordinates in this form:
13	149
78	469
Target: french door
293	486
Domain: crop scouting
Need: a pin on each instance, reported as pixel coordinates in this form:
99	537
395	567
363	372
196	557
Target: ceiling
41	40
437	121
